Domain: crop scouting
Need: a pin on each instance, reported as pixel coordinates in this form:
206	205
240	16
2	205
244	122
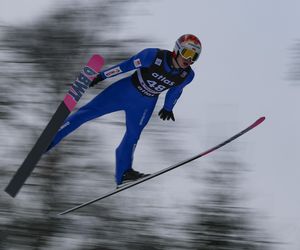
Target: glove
96	80
165	114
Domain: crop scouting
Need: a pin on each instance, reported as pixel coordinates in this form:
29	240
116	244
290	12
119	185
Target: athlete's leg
106	102
136	119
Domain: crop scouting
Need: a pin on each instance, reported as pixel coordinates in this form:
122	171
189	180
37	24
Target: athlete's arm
174	93
143	59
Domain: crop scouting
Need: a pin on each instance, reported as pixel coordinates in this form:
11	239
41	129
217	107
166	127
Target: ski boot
131	176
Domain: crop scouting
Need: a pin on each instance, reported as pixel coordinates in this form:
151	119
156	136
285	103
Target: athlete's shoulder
145	57
192	72
149	52
191	75
164	52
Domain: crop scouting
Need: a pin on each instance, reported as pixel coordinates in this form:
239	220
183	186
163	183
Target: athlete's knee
131	136
127	145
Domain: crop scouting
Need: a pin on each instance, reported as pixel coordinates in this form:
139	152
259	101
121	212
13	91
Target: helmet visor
189	53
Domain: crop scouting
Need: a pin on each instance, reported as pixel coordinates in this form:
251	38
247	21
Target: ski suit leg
106	102
137	118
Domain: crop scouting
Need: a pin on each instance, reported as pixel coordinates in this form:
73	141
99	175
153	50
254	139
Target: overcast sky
241	75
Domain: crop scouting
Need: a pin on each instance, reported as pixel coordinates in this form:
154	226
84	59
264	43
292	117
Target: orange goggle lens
189	53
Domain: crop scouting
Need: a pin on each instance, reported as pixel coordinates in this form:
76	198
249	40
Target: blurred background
245	196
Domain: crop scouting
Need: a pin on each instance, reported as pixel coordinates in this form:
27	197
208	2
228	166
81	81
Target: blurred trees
37	62
294	68
220	220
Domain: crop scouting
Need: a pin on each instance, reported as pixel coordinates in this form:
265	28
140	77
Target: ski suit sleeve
174	93
143	59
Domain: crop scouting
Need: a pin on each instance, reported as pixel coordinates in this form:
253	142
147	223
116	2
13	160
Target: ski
253	125
74	94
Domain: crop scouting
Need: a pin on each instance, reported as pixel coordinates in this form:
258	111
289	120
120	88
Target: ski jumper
136	95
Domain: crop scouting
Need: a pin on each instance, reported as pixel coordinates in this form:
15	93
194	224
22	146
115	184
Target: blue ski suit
136	95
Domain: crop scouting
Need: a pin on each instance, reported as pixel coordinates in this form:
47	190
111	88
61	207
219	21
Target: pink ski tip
100	58
96	62
258	121
261	119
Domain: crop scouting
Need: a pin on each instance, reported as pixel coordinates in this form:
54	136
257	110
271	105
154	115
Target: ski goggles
189	53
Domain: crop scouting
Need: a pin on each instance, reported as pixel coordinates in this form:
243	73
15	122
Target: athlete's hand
96	80
165	114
